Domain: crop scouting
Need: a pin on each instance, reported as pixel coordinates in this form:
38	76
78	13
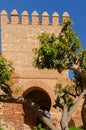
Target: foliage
82	60
58	52
5	75
39	127
47	51
1	128
75	128
65	95
61	53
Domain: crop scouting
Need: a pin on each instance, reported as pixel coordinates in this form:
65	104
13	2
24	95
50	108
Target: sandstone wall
19	38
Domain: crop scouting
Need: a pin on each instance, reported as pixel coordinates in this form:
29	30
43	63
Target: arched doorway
42	99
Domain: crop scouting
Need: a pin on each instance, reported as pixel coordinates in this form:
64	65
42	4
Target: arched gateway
42	99
41	93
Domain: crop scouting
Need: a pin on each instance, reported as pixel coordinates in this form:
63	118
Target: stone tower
19	38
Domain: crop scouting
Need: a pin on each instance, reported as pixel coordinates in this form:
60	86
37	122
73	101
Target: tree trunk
76	104
84	113
64	120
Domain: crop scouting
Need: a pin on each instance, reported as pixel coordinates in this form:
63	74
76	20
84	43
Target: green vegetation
62	53
75	128
5	75
1	128
39	127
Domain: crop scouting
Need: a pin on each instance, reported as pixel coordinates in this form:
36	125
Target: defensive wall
19	36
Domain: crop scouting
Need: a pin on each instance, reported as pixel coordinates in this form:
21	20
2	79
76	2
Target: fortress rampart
19	36
14	18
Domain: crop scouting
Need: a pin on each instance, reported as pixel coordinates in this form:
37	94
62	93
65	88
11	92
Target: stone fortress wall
19	37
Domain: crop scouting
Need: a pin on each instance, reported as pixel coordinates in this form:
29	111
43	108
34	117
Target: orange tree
62	53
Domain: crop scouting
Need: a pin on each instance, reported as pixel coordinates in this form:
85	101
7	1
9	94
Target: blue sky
76	9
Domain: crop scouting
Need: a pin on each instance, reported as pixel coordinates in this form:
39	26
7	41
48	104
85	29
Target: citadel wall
19	38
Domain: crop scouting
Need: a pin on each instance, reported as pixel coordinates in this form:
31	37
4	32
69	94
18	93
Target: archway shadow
42	99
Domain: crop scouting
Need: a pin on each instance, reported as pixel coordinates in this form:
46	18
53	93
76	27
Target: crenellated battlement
24	18
20	33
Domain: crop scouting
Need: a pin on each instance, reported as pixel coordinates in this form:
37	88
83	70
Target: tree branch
64	120
58	104
76	104
29	103
77	70
71	94
10	99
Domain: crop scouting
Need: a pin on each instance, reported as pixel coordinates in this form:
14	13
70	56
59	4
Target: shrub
39	127
75	128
